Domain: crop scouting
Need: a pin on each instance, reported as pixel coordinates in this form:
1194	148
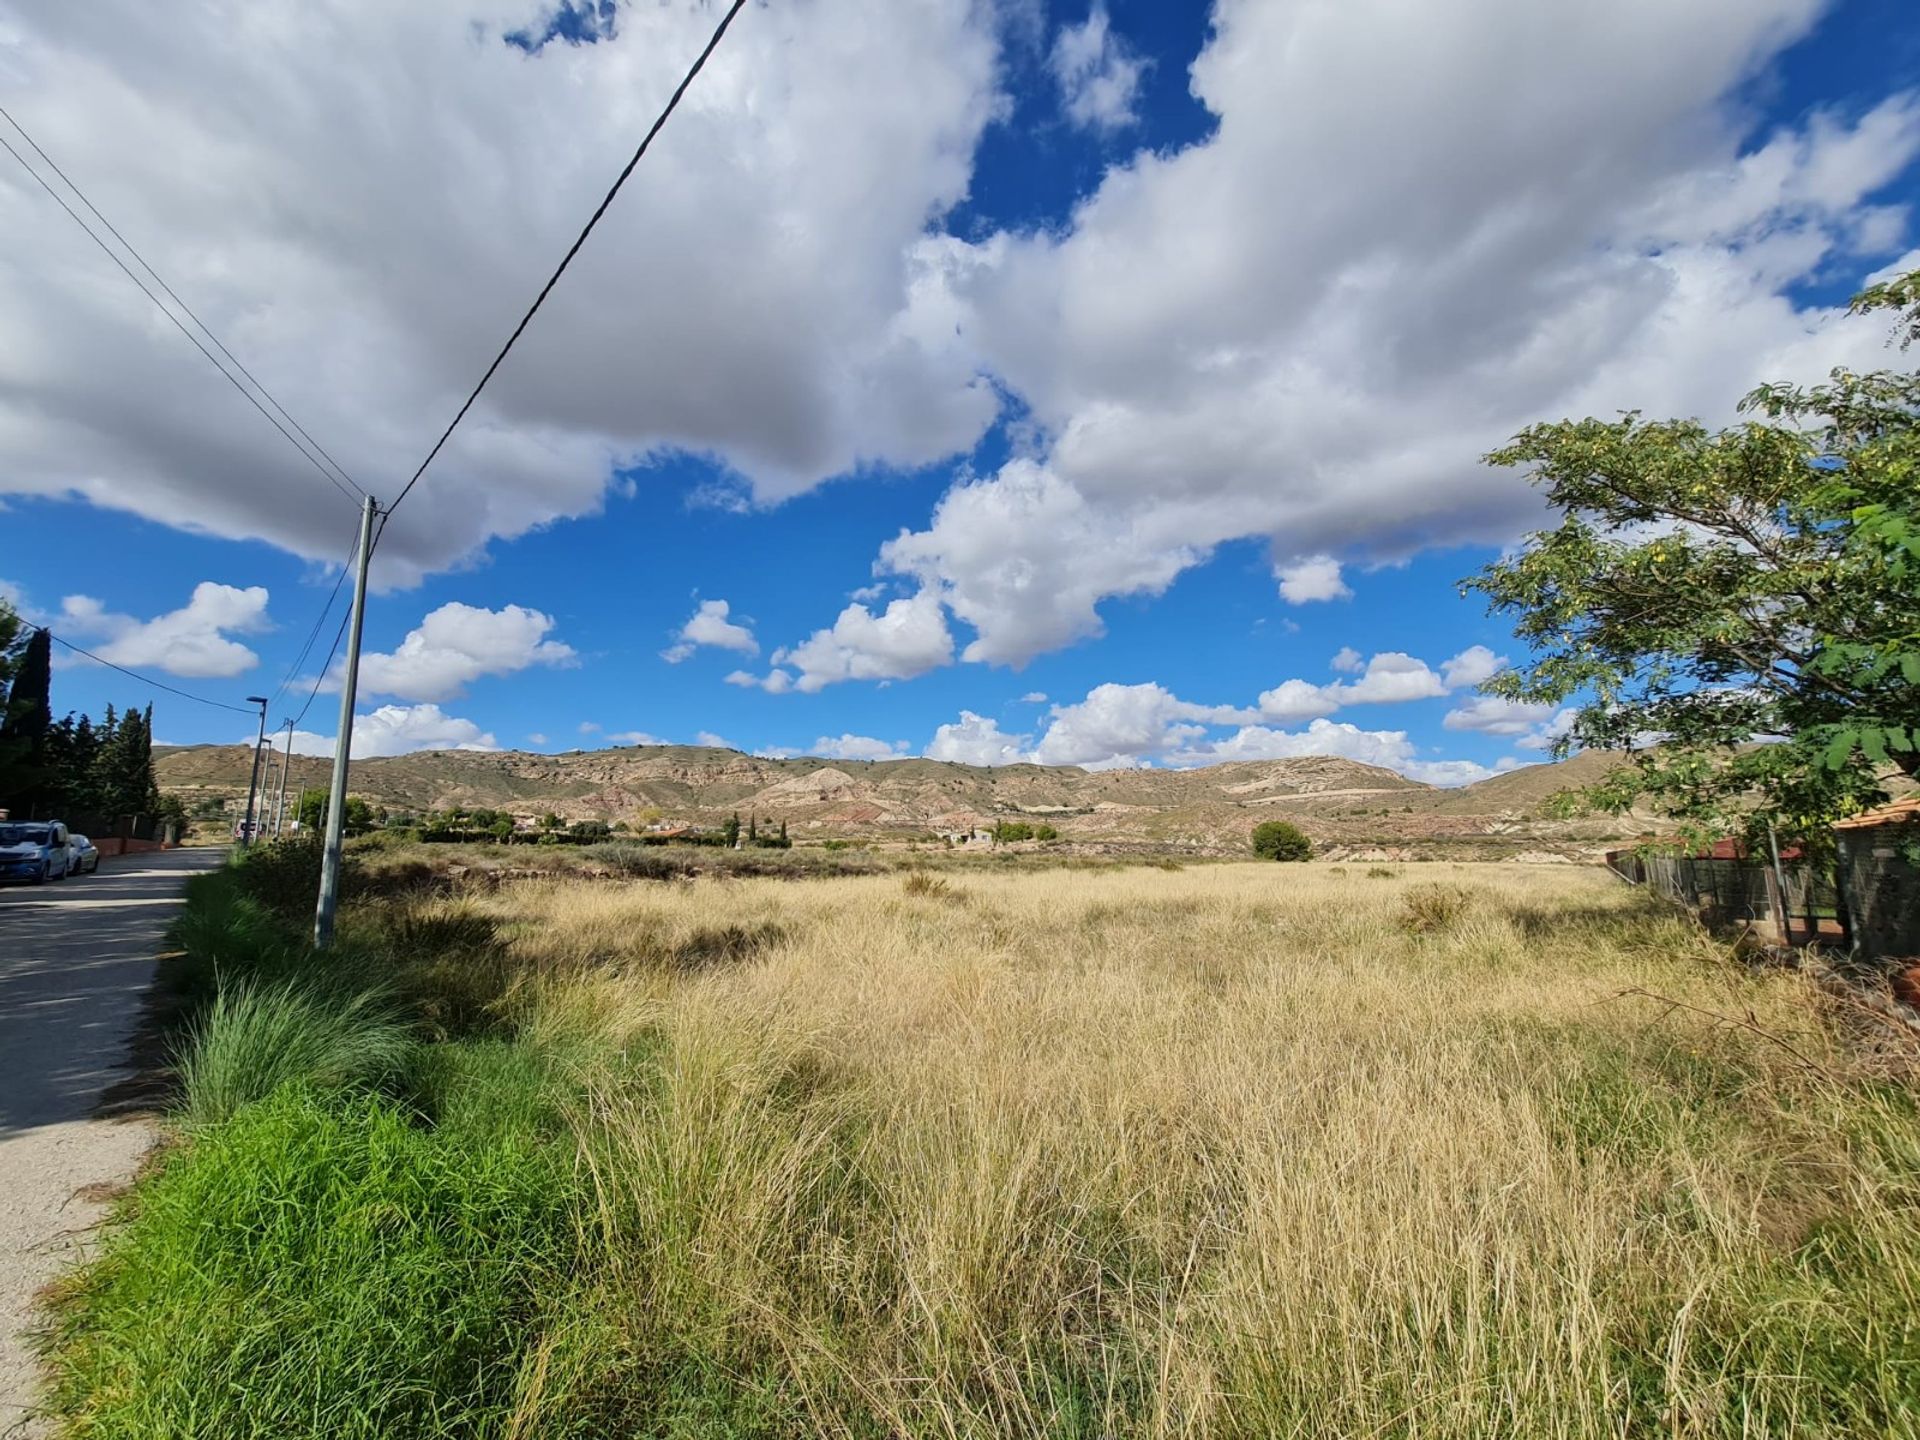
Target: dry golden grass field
1239	1150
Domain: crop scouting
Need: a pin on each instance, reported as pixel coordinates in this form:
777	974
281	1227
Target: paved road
75	960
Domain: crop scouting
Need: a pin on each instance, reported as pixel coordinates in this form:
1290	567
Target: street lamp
253	776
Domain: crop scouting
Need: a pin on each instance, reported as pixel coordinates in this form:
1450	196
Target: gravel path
76	957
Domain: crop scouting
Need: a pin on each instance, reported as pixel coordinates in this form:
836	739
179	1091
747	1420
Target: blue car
34	850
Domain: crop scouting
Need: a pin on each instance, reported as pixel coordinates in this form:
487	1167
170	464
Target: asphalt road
76	957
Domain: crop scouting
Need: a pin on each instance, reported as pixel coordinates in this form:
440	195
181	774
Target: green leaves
1738	609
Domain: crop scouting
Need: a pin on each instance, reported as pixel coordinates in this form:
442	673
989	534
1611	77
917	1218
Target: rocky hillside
1361	808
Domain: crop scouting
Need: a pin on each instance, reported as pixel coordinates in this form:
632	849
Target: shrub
640	860
929	886
1277	840
254	1039
1380	872
1434	907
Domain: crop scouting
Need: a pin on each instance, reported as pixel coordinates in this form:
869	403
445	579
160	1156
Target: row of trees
764	840
1008	831
72	766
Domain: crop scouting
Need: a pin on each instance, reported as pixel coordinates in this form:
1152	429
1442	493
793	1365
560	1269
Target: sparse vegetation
1101	1152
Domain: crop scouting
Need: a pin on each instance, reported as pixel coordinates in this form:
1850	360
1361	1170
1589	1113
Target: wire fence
1865	901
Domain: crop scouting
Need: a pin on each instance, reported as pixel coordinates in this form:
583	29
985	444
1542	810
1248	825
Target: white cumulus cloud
191	642
764	290
1315	578
399	730
1121	724
977	740
908	638
709	625
456	645
1472	666
843	747
1098	74
1492	237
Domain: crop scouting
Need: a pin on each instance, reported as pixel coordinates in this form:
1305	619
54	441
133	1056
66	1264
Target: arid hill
1358	808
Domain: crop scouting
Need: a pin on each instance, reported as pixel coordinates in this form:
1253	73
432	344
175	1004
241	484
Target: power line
320	679
672	103
160	280
108	251
148	679
314	633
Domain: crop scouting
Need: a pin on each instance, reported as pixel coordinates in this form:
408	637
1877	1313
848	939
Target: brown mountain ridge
1351	807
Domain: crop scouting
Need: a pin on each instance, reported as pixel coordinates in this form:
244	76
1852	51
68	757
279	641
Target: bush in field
1277	840
1008	831
255	1039
1430	908
929	886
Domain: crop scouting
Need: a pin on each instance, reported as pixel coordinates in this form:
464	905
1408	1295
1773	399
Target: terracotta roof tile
1899	812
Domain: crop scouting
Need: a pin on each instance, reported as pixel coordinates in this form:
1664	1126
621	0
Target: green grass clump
255	1038
324	1267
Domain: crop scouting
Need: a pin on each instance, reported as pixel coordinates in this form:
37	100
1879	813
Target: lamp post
253	776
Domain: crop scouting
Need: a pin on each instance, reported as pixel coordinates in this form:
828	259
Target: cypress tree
24	775
83	783
126	767
149	788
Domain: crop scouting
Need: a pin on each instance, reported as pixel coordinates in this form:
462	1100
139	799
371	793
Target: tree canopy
1738	610
1279	840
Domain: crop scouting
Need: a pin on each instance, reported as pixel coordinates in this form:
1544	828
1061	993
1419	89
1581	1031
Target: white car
35	851
82	856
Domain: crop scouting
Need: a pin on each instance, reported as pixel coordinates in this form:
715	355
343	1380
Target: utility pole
253	776
343	744
286	765
1780	888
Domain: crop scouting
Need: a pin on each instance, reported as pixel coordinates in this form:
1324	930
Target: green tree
1706	591
171	811
83	783
356	819
549	822
731	830
311	811
25	777
1277	840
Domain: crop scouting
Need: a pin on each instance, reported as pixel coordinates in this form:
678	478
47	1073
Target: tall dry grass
1236	1151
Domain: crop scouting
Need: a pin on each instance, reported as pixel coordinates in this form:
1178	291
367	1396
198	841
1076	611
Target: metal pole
253	775
286	765
343	744
1780	881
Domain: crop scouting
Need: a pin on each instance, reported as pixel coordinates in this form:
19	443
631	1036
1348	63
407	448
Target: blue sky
985	353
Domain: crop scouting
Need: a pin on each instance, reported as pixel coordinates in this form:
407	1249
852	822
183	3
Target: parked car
34	851
82	857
